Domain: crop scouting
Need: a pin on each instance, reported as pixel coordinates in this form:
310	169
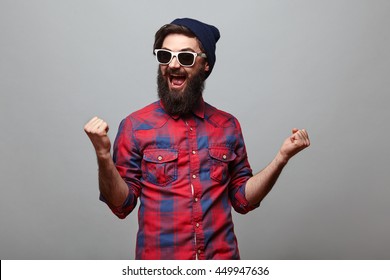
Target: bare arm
261	184
111	185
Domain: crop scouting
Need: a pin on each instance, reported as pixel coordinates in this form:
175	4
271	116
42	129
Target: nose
174	63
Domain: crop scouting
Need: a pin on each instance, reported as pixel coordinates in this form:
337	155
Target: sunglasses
185	58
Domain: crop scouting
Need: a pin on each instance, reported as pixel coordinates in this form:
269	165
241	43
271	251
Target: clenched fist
96	130
298	141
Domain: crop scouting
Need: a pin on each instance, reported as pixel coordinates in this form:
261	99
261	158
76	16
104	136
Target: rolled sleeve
241	172
241	204
128	163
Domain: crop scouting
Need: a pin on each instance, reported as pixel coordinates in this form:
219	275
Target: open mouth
177	81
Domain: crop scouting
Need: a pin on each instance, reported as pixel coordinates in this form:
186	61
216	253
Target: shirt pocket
159	166
220	159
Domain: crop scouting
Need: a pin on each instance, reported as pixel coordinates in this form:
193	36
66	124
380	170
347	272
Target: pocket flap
222	154
160	155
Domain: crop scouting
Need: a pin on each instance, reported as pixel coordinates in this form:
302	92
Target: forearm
261	184
111	185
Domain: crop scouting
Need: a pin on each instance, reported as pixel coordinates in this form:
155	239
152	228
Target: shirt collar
198	110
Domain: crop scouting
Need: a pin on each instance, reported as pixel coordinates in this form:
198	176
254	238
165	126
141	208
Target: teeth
178	80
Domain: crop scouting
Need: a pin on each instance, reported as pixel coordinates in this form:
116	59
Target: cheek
163	70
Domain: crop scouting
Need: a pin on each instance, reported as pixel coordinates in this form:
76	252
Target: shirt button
199	251
159	157
196	199
194	176
193	152
197	224
224	156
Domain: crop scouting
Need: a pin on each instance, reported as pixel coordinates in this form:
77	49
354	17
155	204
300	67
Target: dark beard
177	102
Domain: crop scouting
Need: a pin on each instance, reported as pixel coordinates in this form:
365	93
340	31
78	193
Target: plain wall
319	65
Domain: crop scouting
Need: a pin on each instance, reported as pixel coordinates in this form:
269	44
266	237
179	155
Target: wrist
281	159
103	156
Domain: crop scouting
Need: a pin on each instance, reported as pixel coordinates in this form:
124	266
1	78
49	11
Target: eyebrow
182	50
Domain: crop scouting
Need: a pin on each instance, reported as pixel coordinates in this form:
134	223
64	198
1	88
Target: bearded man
183	159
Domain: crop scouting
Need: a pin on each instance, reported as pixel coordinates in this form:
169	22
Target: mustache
179	72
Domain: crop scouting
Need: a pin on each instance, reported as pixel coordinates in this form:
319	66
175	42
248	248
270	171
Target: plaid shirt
187	172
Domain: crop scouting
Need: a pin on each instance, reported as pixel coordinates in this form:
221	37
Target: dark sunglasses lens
164	56
186	58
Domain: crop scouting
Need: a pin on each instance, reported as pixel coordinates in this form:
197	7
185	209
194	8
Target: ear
206	67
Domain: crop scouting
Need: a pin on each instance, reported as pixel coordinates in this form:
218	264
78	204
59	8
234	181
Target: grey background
321	65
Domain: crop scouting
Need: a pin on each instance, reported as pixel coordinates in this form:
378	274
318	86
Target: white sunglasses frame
175	54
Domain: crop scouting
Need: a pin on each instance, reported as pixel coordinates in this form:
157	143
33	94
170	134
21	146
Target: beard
180	102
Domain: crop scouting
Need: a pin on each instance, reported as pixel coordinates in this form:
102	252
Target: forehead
177	42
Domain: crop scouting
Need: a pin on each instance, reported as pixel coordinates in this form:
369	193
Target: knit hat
207	34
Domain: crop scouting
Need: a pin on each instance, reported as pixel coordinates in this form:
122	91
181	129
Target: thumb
106	128
293	131
102	128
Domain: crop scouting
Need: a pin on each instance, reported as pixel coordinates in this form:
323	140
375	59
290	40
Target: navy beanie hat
207	34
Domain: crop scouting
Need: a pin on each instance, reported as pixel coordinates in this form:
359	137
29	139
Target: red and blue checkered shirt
188	172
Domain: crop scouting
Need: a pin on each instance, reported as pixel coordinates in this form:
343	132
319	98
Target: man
184	159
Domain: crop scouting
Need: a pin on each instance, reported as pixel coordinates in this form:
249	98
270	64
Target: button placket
194	176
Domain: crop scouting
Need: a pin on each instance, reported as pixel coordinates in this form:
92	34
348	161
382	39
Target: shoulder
219	118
